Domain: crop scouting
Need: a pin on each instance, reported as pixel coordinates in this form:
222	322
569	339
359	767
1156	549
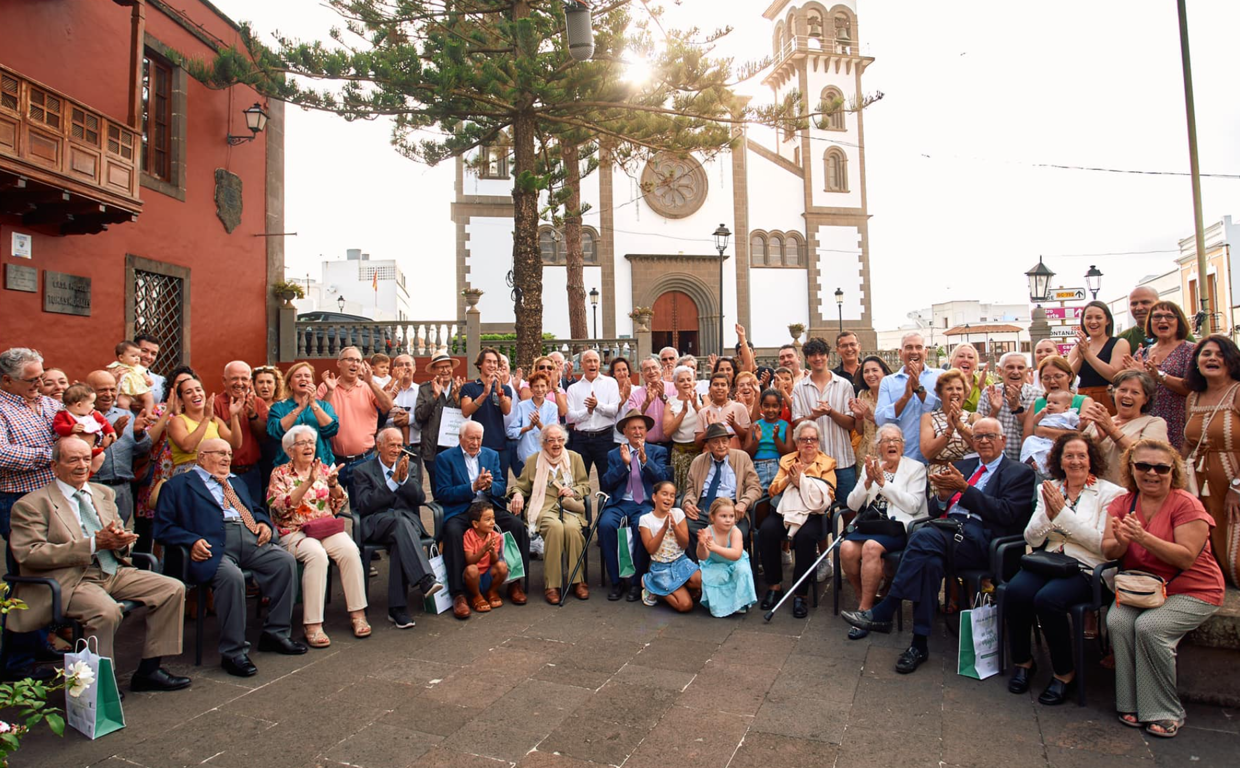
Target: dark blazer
452	486
371	493
1006	504
187	512
428	411
616	478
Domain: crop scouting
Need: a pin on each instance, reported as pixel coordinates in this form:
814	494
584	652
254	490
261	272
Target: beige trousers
95	603
557	537
314	554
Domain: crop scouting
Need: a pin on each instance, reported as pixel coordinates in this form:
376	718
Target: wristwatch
1234	485
1018	410
920	390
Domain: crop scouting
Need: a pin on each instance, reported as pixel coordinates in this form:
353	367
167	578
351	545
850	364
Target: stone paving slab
599	683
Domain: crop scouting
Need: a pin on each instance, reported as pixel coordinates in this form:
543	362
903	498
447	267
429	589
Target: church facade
795	203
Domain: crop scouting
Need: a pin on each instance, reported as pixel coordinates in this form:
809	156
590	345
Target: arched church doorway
675	323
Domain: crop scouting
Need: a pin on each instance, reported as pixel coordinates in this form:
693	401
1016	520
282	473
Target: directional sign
1064	349
1068	294
1064	313
1064	331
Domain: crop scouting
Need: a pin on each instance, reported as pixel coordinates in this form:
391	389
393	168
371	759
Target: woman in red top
1160	528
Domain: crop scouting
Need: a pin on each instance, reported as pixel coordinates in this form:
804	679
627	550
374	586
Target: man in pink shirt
649	400
359	401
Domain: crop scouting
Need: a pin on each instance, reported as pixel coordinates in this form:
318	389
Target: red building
124	207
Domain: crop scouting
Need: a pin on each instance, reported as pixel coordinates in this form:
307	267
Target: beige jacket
748	486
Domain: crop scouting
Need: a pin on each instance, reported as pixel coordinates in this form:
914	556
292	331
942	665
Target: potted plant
641	317
471	296
288	291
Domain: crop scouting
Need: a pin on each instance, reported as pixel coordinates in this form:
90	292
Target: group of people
1123	450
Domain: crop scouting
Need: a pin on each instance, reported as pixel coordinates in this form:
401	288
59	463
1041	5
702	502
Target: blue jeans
609	537
845	481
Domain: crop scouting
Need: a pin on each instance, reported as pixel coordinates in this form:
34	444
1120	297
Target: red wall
81	48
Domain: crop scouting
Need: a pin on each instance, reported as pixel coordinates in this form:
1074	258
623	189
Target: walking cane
563	552
810	572
586	546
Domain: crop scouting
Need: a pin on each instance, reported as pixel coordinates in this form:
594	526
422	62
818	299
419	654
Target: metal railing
421	338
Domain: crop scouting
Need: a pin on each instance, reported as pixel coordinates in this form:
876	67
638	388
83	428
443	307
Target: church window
835	170
792	250
775	257
554	249
549	246
833	104
494	163
589	246
757	250
844	40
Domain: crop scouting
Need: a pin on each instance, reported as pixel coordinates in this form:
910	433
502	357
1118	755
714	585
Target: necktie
92	524
981	470
231	501
635	479
713	490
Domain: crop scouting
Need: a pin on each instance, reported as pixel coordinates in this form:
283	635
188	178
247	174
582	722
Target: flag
375	282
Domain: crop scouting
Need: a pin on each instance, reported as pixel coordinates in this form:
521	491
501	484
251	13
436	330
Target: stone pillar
641	329
288	333
1039	329
473	329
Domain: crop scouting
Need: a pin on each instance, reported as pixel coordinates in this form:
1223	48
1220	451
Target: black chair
829	520
368	549
181	563
890	559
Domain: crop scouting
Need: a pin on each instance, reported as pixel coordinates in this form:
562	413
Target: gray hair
13	361
1144	379
294	432
685	360
1003	360
379	437
888	428
804	425
465	427
682	369
910	335
650	359
542	438
673	350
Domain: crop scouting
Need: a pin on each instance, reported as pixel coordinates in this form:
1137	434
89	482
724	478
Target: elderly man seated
387	494
225	531
996	499
633	468
720	472
464	474
70	530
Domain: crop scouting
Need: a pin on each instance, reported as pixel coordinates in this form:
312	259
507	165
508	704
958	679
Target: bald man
238	386
1139	302
132	443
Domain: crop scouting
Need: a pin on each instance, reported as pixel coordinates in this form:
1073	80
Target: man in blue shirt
908	393
132	442
487	401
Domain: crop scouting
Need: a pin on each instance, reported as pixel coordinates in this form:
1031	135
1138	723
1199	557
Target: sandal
480	604
1130	719
1169	728
494	599
361	628
317	639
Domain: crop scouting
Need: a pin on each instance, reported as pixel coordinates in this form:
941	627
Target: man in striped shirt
823	397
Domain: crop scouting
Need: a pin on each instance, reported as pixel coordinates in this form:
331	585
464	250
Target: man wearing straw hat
633	467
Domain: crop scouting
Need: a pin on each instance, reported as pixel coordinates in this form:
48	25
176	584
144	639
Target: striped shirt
834	440
26	439
1013	423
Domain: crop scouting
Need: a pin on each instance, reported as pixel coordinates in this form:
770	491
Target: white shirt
393	483
833	439
70	493
474	468
606	391
407	399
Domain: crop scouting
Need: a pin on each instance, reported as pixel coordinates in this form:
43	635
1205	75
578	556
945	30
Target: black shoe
865	620
1019	682
910	660
241	666
635	593
617	591
121	694
799	609
289	647
1057	692
159	680
400	617
38	674
856	633
429	586
770	599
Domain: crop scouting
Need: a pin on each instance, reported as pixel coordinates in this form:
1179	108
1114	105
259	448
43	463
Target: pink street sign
1064	313
1064	349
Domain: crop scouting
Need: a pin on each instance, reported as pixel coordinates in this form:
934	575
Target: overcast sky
976	94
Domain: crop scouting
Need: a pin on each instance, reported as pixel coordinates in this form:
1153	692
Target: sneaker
786	557
400	618
647	598
824	571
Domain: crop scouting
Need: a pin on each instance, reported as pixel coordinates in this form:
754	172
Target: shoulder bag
1141	589
1052	565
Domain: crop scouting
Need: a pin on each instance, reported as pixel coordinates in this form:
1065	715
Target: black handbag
1052	565
873	521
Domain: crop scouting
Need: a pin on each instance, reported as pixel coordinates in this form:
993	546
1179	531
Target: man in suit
70	530
996	499
209	512
720	472
463	475
387	494
632	470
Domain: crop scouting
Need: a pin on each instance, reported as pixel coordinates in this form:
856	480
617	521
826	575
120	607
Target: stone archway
704	299
675	323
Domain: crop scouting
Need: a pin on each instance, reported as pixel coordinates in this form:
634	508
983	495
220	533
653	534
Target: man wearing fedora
433	396
633	467
720	472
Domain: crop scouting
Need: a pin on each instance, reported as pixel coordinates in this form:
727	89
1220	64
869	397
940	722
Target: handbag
1140	589
1052	565
323	527
873	521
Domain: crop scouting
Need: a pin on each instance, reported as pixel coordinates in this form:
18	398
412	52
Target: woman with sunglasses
1160	528
1212	443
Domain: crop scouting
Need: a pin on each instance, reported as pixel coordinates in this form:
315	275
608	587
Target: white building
1167	285
795	203
370	288
988	326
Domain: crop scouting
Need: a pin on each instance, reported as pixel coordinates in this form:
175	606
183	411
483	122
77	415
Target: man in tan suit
70	530
720	472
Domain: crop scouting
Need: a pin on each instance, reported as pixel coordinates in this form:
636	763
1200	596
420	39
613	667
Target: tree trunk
572	243
526	260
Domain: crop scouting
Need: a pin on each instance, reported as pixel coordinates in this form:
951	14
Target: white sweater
1077	531
905	494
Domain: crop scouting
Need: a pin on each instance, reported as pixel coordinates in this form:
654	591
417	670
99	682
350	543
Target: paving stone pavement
602	683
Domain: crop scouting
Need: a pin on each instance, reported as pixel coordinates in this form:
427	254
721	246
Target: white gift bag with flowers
92	702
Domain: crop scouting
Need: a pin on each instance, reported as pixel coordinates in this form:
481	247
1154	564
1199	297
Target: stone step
1222	630
1208	662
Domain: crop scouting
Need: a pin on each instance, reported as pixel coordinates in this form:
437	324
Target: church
795	203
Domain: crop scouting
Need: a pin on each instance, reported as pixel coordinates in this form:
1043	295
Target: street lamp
1039	282
839	306
721	244
578	30
340	302
255	120
594	308
1093	280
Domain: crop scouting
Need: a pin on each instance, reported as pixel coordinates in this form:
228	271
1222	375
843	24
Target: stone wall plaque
19	278
228	199
66	294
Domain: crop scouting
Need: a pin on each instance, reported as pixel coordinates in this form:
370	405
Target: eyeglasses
546	367
1163	316
891	440
301	443
985	436
807	440
350	359
1144	467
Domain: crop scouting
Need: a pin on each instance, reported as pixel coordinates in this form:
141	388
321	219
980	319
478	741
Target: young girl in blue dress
665	534
727	579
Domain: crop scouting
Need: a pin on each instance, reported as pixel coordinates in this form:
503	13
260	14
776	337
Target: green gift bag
512	556
624	549
979	641
96	710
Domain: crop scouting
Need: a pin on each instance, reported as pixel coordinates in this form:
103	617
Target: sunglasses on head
1145	466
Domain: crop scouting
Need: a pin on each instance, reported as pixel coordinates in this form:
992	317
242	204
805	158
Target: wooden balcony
62	164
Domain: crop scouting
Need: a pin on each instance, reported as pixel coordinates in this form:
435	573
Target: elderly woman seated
891	494
304	496
798	516
556	484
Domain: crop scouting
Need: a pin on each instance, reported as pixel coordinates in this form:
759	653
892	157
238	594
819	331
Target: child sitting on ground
665	534
80	418
133	383
485	569
727	579
1057	415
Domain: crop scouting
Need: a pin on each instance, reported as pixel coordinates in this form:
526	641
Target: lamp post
594	309
340	302
721	244
1093	280
1039	291
839	307
255	120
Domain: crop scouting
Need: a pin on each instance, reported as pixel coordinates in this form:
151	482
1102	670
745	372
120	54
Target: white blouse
905	494
1075	531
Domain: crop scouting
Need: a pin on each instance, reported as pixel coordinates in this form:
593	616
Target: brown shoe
460	607
553	596
516	594
481	605
581	591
